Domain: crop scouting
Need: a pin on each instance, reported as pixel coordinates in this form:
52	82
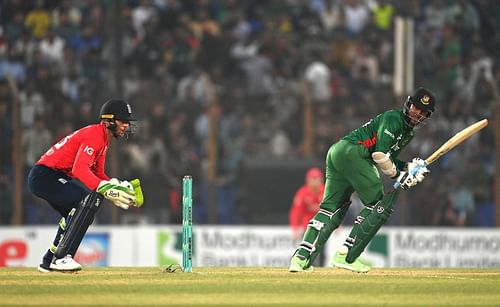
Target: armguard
385	163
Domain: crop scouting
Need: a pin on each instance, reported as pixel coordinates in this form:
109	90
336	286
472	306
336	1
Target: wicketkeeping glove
120	193
139	197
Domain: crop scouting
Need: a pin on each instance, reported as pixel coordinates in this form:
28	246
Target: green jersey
387	132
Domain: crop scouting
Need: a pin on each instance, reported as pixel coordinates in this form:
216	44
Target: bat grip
412	172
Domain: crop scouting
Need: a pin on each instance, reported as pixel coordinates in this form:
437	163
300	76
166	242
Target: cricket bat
453	142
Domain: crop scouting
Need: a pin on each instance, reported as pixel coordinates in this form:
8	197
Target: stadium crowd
255	53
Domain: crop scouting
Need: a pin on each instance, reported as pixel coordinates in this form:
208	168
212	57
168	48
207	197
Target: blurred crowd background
254	55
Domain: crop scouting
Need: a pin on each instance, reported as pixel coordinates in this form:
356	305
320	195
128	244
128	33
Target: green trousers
349	168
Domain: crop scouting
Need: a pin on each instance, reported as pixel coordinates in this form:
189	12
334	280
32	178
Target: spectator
52	47
38	20
32	105
357	16
6	132
317	75
35	141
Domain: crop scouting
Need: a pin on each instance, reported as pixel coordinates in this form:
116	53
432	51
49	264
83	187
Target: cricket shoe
340	262
299	264
44	268
66	264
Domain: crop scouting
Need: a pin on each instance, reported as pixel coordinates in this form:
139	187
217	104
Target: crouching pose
81	155
352	165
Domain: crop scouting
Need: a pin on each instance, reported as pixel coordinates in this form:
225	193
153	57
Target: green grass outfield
251	287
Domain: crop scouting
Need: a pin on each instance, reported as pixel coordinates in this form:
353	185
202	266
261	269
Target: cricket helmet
117	109
424	100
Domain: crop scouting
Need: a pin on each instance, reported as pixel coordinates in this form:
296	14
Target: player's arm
82	166
120	193
135	183
100	166
386	138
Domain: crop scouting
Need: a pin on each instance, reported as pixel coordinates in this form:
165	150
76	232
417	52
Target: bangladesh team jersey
387	132
80	155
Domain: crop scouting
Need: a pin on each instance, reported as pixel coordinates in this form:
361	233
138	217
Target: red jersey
80	155
305	206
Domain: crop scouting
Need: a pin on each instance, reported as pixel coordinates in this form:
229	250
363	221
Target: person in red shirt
73	169
306	202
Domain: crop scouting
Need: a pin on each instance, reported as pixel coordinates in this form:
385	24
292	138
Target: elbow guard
385	163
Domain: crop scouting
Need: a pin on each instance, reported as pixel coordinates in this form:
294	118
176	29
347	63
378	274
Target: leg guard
319	230
368	223
47	258
76	229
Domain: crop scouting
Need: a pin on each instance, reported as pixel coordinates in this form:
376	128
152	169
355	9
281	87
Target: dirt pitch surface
250	287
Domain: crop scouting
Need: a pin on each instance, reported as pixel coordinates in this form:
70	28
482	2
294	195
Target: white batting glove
120	193
416	162
407	180
421	173
418	167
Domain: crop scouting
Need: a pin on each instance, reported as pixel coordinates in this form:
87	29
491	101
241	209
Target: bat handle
413	171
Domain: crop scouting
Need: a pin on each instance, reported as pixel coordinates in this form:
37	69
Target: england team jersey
80	155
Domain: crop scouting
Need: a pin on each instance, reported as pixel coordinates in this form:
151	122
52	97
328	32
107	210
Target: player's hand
407	180
120	193
139	197
416	162
421	173
418	167
120	204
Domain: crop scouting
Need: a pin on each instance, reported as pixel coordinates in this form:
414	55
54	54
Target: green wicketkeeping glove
139	197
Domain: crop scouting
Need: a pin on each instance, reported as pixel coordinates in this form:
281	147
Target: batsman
352	165
70	177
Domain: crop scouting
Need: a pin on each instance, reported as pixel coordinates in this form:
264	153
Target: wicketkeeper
81	155
353	165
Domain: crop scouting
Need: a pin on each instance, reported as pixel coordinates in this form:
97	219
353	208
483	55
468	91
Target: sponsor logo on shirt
88	150
389	133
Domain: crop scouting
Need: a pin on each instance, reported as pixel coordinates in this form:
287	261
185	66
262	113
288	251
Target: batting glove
407	180
120	193
418	167
421	173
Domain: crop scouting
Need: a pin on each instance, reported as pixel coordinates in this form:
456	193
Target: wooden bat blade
458	138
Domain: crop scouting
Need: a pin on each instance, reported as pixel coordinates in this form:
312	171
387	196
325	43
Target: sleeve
401	165
82	166
389	128
99	167
297	210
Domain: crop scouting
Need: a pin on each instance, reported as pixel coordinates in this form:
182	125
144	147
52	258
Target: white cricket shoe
66	264
44	268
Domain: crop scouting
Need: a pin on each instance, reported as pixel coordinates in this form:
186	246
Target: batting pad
365	228
79	224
